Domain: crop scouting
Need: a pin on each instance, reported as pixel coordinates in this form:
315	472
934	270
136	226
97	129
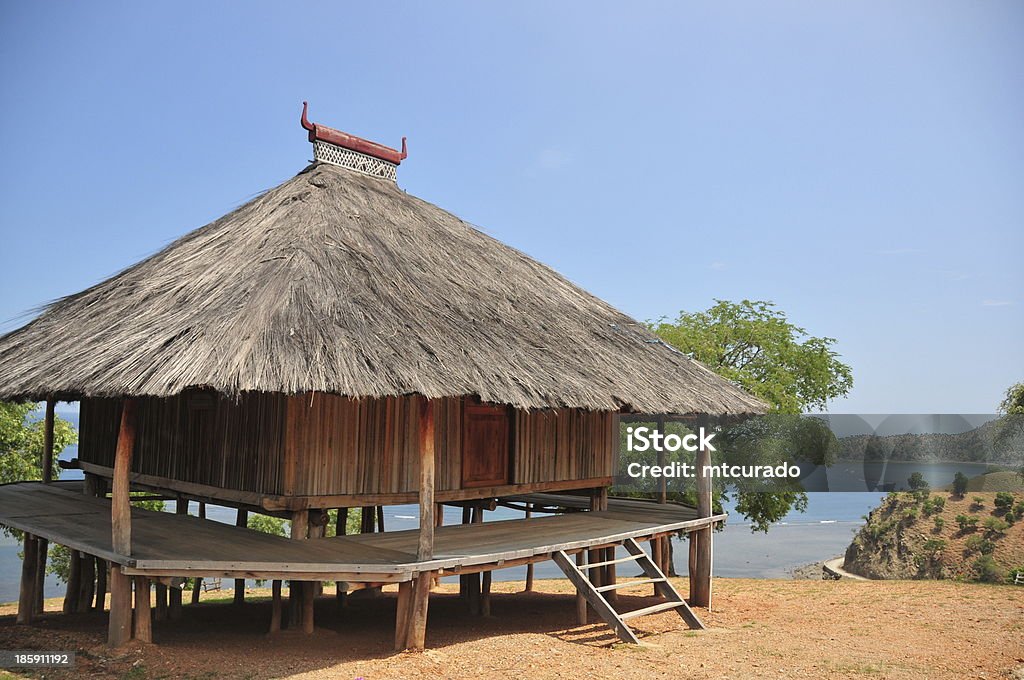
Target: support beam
700	576
197	583
119	631
174	611
101	586
425	549
529	567
485	594
72	593
241	520
143	612
48	441
40	578
418	616
120	627
402	612
296	590
275	607
340	529
161	602
27	594
87	583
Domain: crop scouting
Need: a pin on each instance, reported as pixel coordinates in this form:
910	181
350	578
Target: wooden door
485	445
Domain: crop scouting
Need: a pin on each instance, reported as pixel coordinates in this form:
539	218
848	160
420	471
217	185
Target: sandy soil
759	629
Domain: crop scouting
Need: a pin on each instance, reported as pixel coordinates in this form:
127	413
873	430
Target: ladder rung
626	584
653	609
595	565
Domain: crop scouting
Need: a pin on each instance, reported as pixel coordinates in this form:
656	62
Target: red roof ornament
322	133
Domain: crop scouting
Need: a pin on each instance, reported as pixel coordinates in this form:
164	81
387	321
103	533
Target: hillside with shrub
925	534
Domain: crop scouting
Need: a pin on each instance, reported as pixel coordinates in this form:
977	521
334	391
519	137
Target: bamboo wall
318	444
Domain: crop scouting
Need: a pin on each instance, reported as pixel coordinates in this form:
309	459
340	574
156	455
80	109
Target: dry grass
338	282
759	629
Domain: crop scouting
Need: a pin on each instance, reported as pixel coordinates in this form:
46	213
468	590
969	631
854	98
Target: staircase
578	574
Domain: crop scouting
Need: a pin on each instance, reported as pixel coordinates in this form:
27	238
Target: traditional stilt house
335	344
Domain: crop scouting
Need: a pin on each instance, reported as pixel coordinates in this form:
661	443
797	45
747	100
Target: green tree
917	482
754	345
960	484
21	442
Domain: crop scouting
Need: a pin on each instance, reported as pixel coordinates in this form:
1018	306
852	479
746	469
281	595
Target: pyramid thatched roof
339	282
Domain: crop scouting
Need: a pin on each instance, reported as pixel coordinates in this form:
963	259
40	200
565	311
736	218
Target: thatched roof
338	282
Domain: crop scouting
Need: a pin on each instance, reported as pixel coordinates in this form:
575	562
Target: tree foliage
21	442
753	344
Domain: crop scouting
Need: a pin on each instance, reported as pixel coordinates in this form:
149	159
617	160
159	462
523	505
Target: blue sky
859	164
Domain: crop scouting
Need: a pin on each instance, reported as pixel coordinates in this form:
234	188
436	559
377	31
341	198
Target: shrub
960	484
934	505
979	544
1004	501
986	570
933	546
1018	510
966	523
978	503
917	481
939	523
994	525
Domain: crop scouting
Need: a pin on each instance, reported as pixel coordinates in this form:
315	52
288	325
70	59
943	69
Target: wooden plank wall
338	445
563	444
320	444
194	437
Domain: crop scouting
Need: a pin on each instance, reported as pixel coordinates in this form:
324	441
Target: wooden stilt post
700	578
581	601
241	520
402	610
48	441
307	606
101	585
473	585
27	594
275	607
161	602
296	591
485	594
74	583
416	638
197	582
87	583
42	551
529	567
143	612
174	611
340	529
418	614
467	517
42	545
121	521
380	519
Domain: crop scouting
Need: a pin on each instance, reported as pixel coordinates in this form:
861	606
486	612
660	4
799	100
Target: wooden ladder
578	575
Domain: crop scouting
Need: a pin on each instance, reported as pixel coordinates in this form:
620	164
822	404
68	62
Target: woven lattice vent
353	160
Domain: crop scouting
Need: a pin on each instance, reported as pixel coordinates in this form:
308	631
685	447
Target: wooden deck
166	544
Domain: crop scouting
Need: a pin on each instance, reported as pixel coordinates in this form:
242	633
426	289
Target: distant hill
984	444
939	536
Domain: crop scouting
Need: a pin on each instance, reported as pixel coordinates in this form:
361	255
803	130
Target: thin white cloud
717	266
996	303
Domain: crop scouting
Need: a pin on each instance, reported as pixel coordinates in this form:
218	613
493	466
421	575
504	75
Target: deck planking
183	545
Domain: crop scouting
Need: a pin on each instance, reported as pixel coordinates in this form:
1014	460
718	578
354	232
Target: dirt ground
759	629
